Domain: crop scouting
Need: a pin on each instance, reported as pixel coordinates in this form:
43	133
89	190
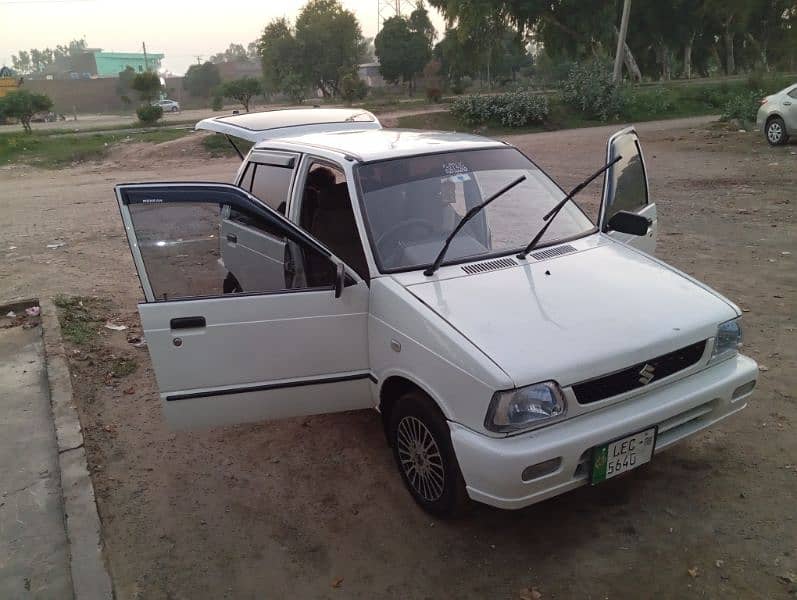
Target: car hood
577	316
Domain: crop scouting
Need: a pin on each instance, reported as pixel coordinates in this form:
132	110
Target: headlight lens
525	407
728	339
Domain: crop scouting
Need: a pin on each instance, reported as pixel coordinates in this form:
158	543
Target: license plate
620	456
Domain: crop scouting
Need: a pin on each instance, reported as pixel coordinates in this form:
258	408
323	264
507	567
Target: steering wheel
398	227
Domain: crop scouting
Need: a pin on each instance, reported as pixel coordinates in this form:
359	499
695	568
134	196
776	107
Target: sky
180	29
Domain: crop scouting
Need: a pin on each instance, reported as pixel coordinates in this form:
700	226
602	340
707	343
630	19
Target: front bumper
492	467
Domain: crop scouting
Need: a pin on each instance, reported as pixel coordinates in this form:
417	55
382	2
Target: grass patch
217	145
79	321
53	149
383	105
122	367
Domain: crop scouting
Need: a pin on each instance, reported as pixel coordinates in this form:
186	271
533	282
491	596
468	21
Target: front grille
638	375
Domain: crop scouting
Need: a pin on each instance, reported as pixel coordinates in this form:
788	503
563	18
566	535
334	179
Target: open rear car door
625	188
260	126
274	347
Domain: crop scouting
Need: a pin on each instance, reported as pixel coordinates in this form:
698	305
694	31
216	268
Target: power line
33	2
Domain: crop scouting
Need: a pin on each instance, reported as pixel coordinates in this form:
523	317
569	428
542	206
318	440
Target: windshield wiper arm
463	221
548	218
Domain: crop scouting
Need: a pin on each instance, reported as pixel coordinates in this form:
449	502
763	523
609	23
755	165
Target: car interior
326	213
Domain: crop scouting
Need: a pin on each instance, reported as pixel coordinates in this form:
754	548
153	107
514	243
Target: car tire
175	109
775	132
231	285
421	442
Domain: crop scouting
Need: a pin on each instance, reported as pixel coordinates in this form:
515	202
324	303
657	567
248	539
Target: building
94	64
9	81
109	64
369	73
238	69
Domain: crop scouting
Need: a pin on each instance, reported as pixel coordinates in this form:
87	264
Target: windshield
412	204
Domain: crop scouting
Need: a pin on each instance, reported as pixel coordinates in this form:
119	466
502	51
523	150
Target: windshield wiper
548	218
468	216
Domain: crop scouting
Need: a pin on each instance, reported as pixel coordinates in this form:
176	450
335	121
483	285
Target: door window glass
628	187
326	213
271	184
793	93
204	249
246	179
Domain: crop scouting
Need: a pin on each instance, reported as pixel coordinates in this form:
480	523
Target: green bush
716	96
217	103
149	114
352	88
513	109
589	89
743	106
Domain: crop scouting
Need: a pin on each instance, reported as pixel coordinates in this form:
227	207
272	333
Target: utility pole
618	58
146	62
392	8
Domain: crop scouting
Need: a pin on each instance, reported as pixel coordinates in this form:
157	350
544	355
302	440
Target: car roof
381	144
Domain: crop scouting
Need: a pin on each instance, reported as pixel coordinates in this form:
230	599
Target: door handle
187	322
787	103
231	237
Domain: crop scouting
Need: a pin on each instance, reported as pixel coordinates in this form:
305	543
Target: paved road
34	556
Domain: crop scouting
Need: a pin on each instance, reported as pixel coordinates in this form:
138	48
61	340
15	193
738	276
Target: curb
90	579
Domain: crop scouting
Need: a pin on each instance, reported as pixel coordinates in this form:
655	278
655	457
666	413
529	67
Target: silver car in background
168	105
777	117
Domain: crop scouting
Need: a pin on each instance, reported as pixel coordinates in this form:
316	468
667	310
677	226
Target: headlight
728	339
525	407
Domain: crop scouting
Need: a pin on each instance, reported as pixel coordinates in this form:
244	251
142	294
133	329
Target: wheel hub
420	458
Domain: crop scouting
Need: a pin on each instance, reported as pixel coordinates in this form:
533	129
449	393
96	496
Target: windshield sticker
455	167
459	178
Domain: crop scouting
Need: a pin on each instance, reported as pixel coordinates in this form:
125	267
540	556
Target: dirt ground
314	507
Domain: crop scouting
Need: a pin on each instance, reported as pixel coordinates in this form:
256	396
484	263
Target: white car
777	116
168	105
350	266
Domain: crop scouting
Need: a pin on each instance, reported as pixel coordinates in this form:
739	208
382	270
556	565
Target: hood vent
490	265
553	252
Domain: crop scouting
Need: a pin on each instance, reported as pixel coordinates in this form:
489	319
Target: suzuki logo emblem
646	374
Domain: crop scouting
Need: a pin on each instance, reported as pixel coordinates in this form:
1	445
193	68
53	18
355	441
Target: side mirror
628	222
340	280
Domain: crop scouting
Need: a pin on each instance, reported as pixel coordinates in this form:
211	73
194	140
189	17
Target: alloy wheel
420	458
774	132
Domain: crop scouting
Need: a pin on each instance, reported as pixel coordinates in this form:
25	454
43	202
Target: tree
280	57
242	90
457	56
199	80
233	53
36	60
404	46
70	50
124	86
148	85
23	104
294	87
22	62
330	40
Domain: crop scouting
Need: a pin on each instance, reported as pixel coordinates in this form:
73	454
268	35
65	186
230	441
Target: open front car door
625	193
279	342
